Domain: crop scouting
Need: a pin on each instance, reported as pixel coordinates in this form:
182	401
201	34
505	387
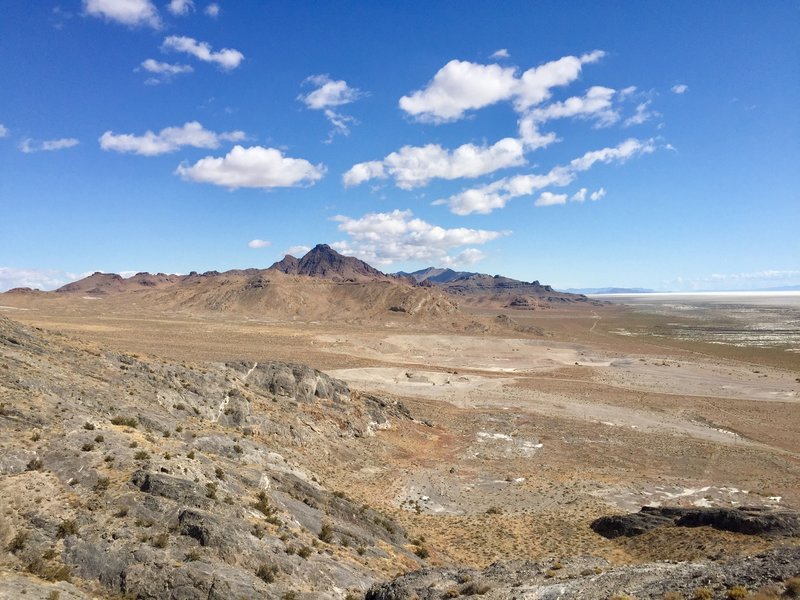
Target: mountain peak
325	262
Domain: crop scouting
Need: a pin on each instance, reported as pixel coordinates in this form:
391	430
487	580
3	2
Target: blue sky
581	144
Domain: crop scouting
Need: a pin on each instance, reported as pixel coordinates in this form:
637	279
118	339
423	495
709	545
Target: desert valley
320	429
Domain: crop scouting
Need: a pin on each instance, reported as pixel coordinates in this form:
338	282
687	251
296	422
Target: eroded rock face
592	579
747	520
168	481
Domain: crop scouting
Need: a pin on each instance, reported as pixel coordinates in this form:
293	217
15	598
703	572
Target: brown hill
479	289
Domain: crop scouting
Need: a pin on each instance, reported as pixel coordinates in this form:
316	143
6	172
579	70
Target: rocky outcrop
165	481
590	578
746	520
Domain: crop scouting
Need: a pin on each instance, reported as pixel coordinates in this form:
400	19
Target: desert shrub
703	593
88	426
238	449
211	490
672	596
141	455
422	552
36	436
219	473
304	552
737	592
288	595
451	593
475	588
160	541
494	510
87	447
18	542
193	555
326	533
66	528
793	587
35	464
267	573
102	484
99	439
125	421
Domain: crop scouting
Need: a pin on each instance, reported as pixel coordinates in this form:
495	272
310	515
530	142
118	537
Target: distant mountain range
322	284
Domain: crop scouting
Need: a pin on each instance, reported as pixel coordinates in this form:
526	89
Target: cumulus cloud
180	7
255	244
227	58
598	194
462	86
415	166
487	198
3	131
167	140
254	167
298	250
386	238
28	145
596	104
550	199
328	94
161	68
580	195
42	279
642	114
502	53
212	10
128	12
680	88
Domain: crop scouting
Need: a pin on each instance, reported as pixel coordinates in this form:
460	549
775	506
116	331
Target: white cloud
642	114
598	194
457	87
127	12
258	244
226	58
487	198
162	68
415	166
180	7
43	279
550	199
327	95
212	10
597	104
298	250
254	167
580	195
167	140
3	131
680	88
536	84
502	53
461	86
28	145
165	71
386	238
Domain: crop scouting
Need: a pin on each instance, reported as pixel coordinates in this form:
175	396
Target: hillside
147	478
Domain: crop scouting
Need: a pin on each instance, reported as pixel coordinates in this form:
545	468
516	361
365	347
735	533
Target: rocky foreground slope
129	476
